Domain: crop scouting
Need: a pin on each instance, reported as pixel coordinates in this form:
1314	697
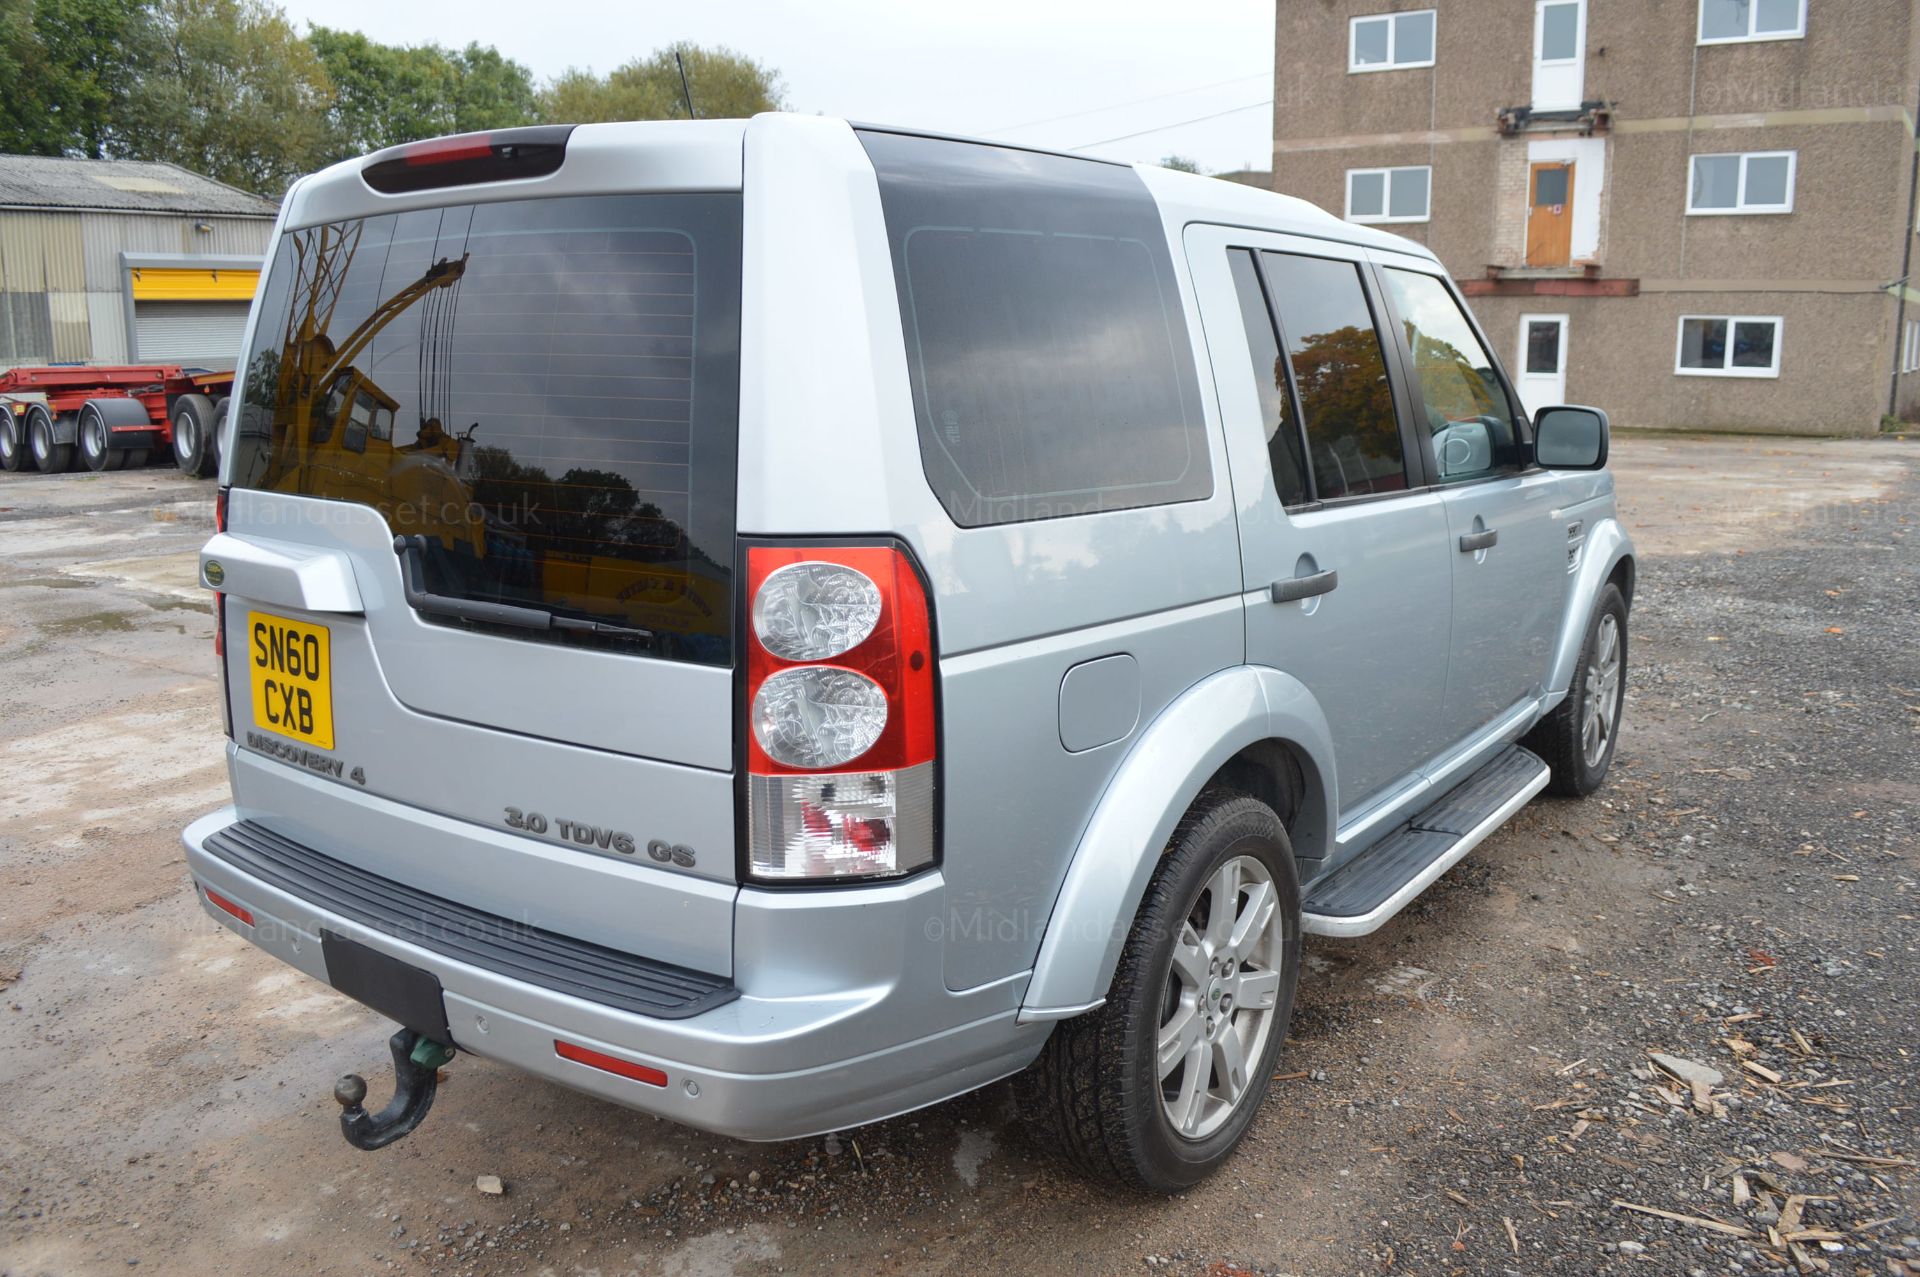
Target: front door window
1460	393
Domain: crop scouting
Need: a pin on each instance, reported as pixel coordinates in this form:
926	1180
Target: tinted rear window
1051	368
546	389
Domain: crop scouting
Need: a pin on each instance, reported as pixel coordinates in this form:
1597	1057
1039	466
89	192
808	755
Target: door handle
1472	542
1294	588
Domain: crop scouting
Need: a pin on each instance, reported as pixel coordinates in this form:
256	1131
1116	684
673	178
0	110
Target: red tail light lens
840	730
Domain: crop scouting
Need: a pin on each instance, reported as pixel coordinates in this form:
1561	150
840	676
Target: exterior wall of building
63	286
1841	97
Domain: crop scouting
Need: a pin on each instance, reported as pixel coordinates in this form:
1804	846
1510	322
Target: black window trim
1522	424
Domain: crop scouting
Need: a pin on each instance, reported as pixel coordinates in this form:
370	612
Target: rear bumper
841	1016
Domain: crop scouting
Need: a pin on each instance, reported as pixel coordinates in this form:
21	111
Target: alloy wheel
1218	1009
1600	717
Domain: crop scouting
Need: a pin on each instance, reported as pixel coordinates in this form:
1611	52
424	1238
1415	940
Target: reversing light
815	611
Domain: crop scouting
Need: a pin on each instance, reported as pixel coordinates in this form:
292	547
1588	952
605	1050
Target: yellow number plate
292	673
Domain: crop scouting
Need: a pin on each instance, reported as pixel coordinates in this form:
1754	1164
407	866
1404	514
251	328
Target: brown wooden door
1550	214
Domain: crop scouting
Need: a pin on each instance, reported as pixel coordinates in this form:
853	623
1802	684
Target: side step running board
1358	898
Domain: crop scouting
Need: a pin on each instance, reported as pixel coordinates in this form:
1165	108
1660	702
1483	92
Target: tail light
839	705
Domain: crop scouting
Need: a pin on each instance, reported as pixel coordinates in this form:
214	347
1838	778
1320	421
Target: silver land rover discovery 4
778	623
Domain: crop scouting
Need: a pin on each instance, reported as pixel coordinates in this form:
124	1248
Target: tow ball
416	1076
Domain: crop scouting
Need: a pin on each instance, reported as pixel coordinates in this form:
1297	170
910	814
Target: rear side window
1270	381
546	390
1050	364
1353	437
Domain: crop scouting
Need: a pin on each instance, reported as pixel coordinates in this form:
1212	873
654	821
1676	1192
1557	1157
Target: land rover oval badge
215	574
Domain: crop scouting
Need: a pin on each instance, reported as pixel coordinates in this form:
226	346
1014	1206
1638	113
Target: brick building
1694	213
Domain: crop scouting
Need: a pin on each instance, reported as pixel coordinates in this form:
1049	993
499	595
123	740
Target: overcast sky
982	67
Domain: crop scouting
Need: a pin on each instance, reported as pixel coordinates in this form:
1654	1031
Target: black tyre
48	457
13	441
97	452
1577	739
135	458
193	435
219	428
1157	1086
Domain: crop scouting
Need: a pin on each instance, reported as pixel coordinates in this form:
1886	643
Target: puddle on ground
88	623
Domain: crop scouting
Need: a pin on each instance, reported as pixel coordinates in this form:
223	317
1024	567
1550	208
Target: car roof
1206	198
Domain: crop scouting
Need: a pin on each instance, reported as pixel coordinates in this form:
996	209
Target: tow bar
417	1062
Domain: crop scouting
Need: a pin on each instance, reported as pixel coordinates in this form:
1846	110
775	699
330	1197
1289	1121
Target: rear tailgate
539	394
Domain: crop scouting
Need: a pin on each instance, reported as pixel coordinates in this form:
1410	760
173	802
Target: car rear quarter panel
829	447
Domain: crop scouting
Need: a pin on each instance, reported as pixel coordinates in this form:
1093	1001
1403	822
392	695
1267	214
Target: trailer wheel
49	457
13	442
194	435
137	457
96	444
219	430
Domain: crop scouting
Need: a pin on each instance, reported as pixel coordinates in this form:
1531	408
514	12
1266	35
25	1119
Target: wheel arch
1607	556
1251	727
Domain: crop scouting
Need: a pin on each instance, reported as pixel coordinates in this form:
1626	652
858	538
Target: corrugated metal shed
41	253
129	186
71	229
106	235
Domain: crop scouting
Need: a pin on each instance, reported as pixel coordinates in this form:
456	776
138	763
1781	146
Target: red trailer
113	416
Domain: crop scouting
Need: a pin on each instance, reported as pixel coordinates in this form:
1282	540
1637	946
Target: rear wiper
412	552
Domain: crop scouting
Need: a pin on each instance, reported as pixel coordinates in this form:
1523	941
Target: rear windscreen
545	390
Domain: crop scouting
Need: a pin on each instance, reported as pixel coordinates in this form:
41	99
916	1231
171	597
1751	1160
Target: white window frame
1753	15
1393	40
1727	369
1386	195
1740	206
1540	34
1910	347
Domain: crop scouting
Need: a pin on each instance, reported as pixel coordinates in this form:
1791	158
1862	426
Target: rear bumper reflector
608	1063
461	933
225	905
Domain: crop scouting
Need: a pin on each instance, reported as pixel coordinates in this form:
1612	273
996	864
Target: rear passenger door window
1457	389
1339	366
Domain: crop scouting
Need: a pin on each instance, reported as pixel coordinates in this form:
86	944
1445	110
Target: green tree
65	72
725	85
1180	164
227	88
491	91
387	94
383	94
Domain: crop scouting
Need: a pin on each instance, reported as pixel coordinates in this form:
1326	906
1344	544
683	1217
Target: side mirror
1570	438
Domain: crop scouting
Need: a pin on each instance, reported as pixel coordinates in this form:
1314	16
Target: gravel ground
1475	1089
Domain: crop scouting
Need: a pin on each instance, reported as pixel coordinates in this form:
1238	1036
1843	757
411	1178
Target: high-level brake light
465	159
